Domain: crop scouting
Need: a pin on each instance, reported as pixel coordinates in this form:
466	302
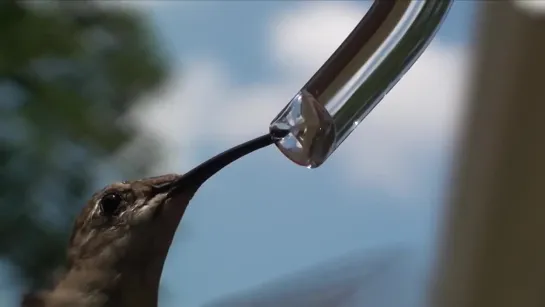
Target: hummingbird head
130	223
133	222
121	238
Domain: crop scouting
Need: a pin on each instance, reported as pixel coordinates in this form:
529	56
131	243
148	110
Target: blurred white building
382	279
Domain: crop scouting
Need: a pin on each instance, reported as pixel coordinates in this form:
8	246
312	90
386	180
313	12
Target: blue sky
235	65
382	188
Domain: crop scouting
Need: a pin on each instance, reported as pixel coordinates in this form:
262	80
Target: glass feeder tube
374	56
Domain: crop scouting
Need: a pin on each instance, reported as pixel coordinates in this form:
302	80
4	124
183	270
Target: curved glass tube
376	54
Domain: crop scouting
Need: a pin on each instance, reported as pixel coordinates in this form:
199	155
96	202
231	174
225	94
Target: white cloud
182	114
418	114
531	6
304	38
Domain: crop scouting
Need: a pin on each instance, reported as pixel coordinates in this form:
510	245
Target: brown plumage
119	244
121	238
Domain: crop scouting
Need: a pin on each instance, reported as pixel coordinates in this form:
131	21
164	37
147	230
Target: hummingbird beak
193	179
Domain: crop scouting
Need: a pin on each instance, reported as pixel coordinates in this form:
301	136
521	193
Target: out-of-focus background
92	93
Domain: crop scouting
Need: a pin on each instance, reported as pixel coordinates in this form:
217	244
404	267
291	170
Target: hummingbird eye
110	203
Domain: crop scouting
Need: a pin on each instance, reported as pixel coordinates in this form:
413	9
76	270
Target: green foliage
68	72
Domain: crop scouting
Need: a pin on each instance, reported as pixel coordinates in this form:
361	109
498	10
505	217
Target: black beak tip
198	175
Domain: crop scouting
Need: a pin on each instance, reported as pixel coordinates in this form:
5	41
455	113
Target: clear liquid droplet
310	131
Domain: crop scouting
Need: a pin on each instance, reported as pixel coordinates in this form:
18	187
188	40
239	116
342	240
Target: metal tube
380	49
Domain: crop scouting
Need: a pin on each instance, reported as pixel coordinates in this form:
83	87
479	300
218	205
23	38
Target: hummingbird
120	240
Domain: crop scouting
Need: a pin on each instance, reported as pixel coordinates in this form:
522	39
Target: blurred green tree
69	71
